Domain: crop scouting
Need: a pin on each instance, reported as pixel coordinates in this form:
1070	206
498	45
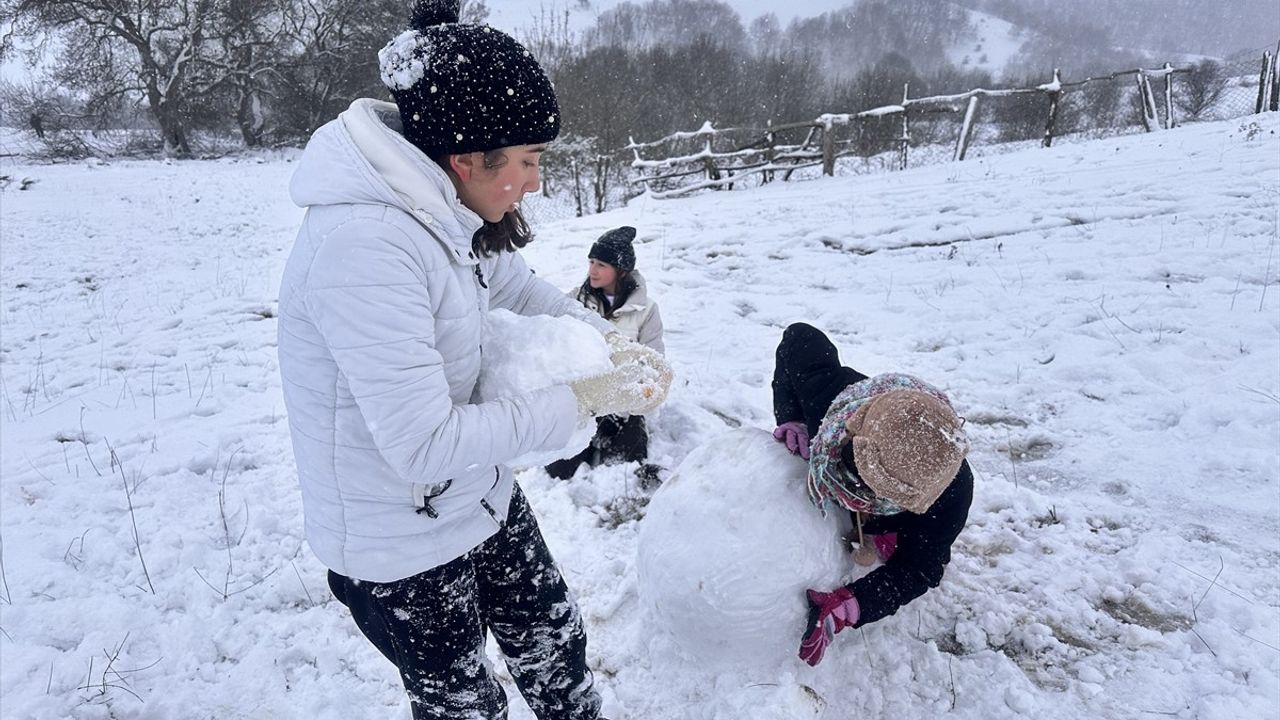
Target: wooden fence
760	154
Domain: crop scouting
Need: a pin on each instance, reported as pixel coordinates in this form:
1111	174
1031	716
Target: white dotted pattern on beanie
403	61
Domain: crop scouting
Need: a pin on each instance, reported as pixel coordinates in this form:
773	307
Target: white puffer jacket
382	311
638	319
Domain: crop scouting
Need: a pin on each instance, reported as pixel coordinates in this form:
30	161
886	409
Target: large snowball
523	354
727	547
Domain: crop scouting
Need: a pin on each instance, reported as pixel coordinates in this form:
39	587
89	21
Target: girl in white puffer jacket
410	237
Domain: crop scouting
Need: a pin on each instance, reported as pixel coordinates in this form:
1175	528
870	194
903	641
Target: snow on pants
432	627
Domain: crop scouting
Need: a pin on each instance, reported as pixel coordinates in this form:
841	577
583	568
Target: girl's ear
463	165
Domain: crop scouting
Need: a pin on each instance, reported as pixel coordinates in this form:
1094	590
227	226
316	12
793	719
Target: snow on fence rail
757	153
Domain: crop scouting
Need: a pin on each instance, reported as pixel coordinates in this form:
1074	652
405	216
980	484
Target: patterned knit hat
614	247
907	446
466	88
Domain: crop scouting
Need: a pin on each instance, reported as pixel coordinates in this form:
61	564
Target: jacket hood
361	158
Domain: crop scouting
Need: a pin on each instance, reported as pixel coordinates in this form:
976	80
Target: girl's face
602	276
492	183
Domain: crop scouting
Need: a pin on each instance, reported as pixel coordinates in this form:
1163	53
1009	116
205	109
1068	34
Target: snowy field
1105	315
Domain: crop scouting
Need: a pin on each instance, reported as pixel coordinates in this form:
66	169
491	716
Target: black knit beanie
614	247
466	88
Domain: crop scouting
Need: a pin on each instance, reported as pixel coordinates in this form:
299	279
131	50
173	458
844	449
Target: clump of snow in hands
523	354
729	545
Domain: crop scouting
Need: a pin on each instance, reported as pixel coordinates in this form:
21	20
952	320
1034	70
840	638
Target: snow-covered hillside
993	44
1105	315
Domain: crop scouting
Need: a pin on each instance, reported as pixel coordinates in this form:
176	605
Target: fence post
966	130
577	184
770	154
1055	96
828	149
905	140
602	181
1275	80
1264	82
1150	121
1168	97
712	172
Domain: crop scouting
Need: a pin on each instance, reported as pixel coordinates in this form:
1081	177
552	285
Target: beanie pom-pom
429	13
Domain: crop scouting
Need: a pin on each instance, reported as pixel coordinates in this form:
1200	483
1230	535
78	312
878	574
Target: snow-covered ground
1106	315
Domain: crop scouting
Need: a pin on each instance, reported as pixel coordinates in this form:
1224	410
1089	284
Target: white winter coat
382	311
638	319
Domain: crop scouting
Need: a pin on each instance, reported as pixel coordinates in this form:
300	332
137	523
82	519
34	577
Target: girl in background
616	291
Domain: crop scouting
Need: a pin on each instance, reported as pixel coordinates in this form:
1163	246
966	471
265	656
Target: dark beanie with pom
465	88
614	247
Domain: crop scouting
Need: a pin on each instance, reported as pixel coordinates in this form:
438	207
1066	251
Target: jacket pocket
425	494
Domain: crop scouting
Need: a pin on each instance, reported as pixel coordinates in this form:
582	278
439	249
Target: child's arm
922	554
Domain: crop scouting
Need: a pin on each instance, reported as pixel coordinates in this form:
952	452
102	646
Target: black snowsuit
432	625
807	376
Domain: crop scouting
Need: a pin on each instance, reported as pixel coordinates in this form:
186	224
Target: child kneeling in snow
616	291
890	449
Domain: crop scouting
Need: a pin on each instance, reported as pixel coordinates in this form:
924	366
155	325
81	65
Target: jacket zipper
497	477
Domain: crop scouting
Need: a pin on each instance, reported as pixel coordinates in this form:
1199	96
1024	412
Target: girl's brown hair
510	233
626	286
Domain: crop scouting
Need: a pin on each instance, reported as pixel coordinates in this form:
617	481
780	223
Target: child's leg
564	469
627	440
807	376
527	607
427	625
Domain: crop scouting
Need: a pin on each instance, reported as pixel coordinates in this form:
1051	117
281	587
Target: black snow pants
432	626
807	376
618	439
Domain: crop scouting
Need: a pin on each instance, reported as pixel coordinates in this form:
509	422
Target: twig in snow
1221	566
1195	619
1263	393
8	403
84	440
1260	642
953	681
133	518
1008	440
73	559
1224	587
8	596
1266	276
303	584
226	591
208	383
34	468
112	678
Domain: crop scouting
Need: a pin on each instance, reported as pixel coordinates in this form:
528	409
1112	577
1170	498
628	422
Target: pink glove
829	613
796	437
885	544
